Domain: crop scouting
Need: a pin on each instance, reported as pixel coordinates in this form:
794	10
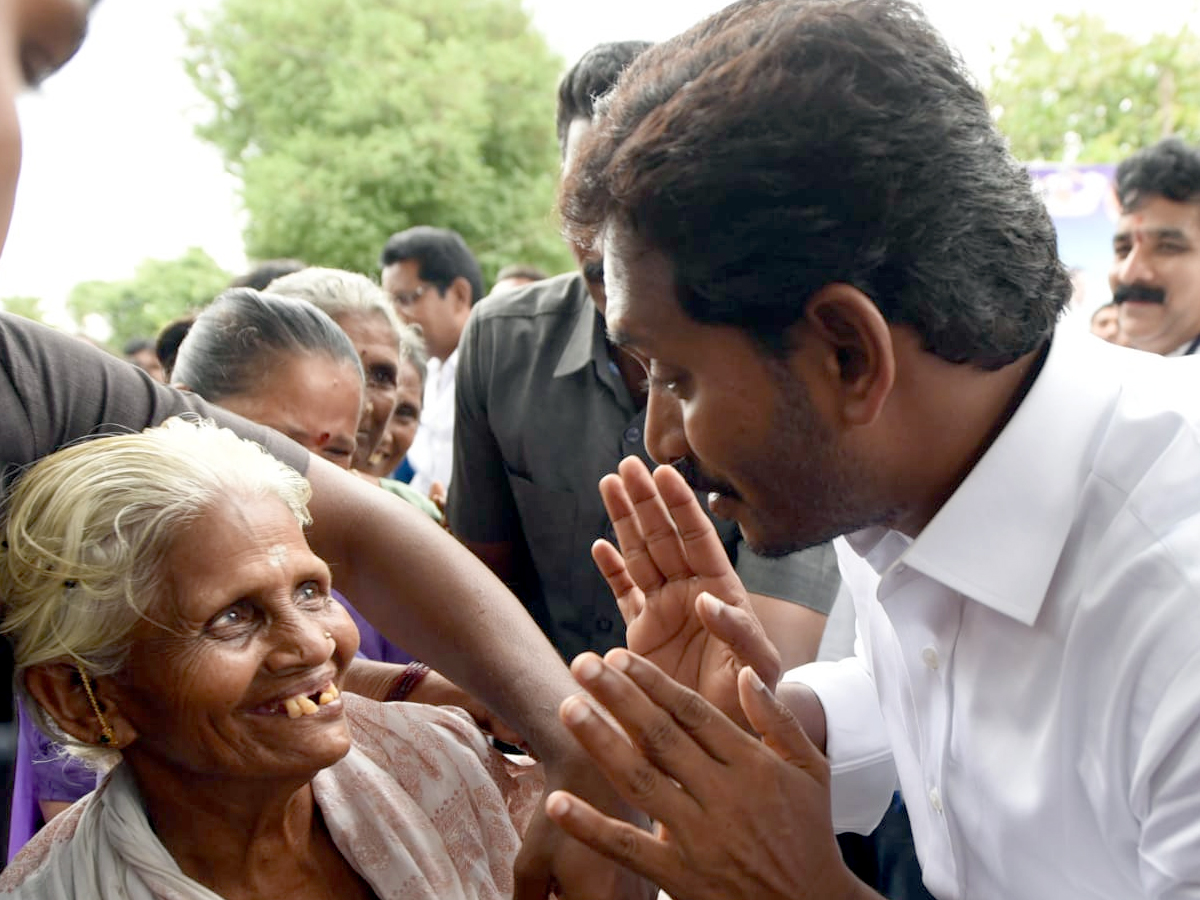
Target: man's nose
665	438
1135	268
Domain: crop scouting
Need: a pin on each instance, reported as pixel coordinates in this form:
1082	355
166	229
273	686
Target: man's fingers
620	841
743	632
628	528
610	562
662	538
702	545
779	729
636	776
679	731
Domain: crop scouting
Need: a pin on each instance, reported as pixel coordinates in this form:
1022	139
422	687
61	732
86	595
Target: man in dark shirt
545	407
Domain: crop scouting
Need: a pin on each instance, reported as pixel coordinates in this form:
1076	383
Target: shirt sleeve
480	505
862	772
807	577
56	389
1163	796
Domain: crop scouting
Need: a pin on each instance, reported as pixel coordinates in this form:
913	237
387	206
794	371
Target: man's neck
973	410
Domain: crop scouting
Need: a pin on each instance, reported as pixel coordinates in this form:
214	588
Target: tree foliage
347	121
159	291
29	307
1077	91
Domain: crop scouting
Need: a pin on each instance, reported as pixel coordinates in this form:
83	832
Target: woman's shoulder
418	744
41	847
387	731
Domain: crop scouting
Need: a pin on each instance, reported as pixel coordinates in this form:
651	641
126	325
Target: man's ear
58	689
460	293
859	358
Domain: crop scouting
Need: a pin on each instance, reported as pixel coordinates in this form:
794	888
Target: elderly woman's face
235	671
314	400
378	347
402	429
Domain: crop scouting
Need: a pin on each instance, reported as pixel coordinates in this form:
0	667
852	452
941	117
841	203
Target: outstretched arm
740	819
426	592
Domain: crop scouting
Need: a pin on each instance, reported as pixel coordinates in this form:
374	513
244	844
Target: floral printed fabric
421	806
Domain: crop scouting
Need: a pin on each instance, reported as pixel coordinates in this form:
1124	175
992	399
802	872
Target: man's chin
769	544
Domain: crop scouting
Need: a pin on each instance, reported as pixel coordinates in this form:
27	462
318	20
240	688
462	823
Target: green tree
29	307
1077	91
159	291
347	121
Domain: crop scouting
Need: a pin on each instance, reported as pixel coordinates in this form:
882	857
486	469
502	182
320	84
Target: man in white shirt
1155	275
433	280
844	292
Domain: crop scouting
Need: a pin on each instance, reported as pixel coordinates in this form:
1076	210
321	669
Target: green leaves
159	291
1078	92
349	121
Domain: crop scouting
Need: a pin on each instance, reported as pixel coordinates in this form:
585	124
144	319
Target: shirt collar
999	537
586	343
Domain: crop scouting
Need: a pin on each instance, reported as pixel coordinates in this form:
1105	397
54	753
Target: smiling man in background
1155	275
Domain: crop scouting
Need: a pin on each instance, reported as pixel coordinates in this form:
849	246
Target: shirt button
604	623
632	434
935	800
929	656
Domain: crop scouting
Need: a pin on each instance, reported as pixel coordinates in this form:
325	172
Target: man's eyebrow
1155	233
1173	233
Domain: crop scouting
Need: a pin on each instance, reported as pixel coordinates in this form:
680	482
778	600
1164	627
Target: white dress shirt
1029	665
432	452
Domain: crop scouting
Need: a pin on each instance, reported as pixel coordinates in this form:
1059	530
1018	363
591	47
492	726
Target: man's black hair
1170	168
441	256
593	76
785	145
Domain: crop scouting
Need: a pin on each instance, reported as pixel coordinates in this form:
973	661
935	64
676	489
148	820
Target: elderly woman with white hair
393	357
170	620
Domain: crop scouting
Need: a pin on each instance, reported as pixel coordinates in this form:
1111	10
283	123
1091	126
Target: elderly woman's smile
236	669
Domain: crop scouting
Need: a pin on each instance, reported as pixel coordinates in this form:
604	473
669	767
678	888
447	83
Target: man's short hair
1168	169
267	271
441	256
790	144
521	270
137	345
590	78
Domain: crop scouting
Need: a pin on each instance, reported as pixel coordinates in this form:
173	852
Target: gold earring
107	738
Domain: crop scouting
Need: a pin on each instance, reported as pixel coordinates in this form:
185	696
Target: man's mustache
699	480
1140	292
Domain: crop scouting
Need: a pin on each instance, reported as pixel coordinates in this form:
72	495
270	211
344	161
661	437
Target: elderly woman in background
280	362
392	354
402	427
170	619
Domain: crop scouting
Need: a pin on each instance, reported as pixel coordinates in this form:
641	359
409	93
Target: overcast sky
113	174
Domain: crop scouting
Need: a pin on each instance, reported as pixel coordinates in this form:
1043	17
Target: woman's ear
59	689
860	360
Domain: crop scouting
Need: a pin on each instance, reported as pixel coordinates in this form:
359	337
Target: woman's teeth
301	705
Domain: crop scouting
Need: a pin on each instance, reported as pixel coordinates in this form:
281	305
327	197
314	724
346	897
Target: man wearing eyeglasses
433	280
